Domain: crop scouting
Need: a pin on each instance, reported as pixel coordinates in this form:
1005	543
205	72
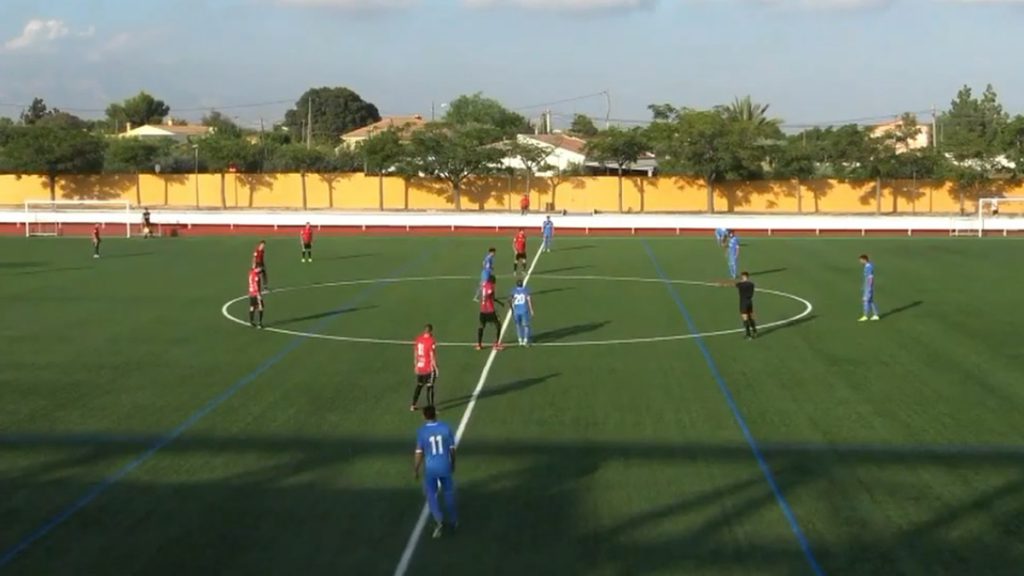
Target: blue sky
812	60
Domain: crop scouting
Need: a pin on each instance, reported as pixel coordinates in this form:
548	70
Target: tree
454	153
134	155
582	126
533	157
477	109
35	112
382	152
619	147
1012	145
746	111
138	110
971	133
51	151
695	142
335	111
221	124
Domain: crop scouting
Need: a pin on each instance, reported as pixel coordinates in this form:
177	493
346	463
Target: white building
168	130
564	152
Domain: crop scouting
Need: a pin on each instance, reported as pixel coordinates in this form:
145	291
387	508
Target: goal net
77	217
992	210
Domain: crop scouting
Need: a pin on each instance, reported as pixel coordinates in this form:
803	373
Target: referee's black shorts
746	307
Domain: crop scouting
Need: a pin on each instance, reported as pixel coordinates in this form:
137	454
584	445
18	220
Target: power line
562	101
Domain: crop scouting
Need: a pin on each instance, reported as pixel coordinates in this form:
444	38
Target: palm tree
747	111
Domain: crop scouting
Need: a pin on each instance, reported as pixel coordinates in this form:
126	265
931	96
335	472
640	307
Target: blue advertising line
787	511
163	441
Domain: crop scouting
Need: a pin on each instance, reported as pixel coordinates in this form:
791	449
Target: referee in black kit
746	290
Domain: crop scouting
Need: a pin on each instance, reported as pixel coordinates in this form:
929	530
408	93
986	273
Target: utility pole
935	129
608	110
309	123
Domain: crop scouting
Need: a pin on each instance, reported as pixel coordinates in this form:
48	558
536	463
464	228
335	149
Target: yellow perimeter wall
574	194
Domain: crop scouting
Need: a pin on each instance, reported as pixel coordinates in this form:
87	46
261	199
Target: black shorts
255	302
427	379
488	318
520	255
307	245
746	306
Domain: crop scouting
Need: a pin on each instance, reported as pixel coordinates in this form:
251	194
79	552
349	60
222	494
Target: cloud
114	44
38	33
566	5
355	5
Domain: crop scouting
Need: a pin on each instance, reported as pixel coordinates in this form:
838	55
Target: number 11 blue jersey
435	441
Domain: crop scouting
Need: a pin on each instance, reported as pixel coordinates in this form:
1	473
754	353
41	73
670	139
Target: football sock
261	316
753	326
430	395
497	332
416	394
746	327
480	336
251	315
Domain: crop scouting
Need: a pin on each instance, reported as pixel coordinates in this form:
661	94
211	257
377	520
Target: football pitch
145	430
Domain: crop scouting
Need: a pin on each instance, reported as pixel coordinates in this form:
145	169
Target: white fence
597	223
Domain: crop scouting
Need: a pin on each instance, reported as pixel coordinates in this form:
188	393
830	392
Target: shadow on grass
20	265
320	315
126	255
287	492
551	291
499	390
342	257
806	319
767	272
565	269
903	308
51	270
560	334
571	248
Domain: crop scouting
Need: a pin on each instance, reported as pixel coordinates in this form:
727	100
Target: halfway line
163	441
787	511
421	523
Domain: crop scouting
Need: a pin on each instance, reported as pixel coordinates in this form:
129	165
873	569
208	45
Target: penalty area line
421	522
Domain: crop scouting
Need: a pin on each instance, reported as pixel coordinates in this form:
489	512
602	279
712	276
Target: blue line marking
100	488
787	511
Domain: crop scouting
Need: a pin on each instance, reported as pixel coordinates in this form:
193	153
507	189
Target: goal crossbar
55	217
996	206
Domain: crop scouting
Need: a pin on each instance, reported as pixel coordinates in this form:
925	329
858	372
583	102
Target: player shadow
127	255
560	334
903	308
767	272
20	265
346	257
50	270
320	315
551	290
564	269
765	331
580	247
499	390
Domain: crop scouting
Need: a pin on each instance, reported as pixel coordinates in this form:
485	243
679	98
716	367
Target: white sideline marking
808	308
421	523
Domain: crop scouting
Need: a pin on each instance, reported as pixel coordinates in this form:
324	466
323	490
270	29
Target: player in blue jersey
548	233
522	311
733	253
487	272
721	235
435	455
868	293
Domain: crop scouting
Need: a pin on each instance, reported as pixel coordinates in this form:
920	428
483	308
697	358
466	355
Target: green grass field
142	432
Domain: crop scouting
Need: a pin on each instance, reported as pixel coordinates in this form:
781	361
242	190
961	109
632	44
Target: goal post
998	207
77	217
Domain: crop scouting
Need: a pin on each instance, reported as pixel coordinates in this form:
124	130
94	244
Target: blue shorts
484	275
432	483
522	317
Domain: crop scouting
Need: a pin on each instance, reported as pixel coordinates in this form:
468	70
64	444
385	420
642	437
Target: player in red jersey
306	237
255	297
96	241
259	260
488	315
519	246
424	358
